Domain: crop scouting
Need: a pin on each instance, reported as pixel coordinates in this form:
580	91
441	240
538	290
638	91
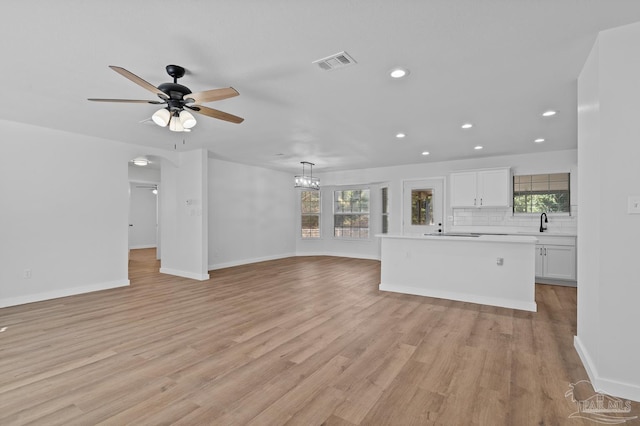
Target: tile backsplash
504	217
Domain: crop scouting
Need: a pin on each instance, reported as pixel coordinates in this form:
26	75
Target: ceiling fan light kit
175	125
178	99
187	119
161	117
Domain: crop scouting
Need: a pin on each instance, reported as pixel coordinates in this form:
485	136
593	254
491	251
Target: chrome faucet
543	227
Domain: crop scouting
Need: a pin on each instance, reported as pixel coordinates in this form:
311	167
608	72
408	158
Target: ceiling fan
178	99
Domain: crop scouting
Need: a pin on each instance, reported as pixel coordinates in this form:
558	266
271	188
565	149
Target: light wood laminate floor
304	341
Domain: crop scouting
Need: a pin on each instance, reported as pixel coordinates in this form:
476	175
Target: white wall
144	174
183	200
63	215
609	237
252	215
546	162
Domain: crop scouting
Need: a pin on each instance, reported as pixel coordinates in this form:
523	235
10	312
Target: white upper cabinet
481	188
464	189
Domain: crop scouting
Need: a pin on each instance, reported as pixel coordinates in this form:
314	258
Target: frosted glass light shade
175	125
187	119
161	117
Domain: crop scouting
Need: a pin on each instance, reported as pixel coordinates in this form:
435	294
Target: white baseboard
461	297
334	254
600	384
184	274
64	292
586	360
284	256
241	262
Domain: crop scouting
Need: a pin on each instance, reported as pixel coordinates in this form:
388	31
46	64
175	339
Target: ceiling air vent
339	60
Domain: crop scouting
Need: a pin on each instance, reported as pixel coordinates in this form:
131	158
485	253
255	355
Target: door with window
422	206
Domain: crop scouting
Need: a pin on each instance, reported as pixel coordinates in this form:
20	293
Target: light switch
633	204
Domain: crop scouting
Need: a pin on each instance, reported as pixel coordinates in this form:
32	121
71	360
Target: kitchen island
497	270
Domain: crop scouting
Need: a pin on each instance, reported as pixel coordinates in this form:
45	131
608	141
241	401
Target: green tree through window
351	213
541	193
310	214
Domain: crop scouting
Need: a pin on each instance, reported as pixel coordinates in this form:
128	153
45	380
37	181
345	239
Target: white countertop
511	230
481	238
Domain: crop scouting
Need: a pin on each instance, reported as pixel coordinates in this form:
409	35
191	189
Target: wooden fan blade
210	112
212	95
130	101
137	80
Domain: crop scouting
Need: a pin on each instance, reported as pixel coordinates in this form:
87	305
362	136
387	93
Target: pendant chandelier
307	181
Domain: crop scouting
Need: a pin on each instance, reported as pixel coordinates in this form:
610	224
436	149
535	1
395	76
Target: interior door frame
406	228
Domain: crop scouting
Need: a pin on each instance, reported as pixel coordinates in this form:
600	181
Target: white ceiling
496	63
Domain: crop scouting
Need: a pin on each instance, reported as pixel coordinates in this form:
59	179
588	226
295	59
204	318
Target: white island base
488	269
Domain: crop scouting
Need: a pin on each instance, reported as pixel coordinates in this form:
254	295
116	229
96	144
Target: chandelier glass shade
307	181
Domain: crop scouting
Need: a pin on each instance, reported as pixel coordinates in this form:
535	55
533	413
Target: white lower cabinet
556	258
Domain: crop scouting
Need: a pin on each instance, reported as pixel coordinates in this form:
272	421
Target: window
541	193
422	206
351	213
310	214
384	193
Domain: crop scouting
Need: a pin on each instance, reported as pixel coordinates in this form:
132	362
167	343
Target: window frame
385	201
529	213
367	213
303	214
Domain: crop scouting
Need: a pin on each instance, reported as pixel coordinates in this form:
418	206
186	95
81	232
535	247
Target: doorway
423	206
143	215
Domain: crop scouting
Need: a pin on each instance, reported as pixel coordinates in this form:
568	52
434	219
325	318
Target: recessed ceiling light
548	113
467	125
400	135
539	140
399	72
425	152
478	147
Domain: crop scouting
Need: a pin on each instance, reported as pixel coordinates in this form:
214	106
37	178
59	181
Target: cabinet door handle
545	251
480	201
474	201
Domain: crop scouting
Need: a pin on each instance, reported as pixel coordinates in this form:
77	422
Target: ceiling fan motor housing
176	93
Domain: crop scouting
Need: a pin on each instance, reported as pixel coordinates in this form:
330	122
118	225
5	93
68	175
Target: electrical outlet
26	274
499	261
